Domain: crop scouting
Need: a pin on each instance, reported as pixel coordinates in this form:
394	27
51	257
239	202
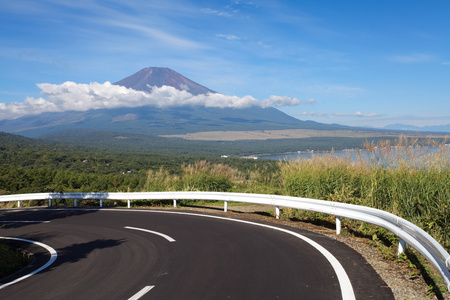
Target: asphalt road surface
146	254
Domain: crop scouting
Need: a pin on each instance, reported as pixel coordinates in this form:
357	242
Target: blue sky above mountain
364	63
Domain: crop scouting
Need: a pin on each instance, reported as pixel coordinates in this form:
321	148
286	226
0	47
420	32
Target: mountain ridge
403	127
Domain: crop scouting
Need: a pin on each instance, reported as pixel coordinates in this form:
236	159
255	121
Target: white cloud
357	114
280	101
314	114
82	97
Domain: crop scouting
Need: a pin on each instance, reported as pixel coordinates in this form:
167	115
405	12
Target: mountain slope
151	120
148	77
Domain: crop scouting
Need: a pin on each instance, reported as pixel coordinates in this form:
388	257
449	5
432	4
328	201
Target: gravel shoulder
394	274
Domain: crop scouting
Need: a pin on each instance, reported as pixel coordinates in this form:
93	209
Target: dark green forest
32	165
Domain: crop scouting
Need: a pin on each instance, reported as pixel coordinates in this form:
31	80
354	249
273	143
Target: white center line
142	292
154	232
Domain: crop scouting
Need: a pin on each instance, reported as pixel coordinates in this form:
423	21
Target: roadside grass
11	259
407	180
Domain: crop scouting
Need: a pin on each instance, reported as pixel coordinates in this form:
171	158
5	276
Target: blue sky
361	63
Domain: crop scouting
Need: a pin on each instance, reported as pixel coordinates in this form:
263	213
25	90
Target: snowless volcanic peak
153	76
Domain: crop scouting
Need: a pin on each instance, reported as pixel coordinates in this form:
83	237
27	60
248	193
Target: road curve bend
149	254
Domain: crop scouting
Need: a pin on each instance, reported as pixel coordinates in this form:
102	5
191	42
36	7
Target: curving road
147	254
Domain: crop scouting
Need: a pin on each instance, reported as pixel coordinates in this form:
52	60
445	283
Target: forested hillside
121	163
30	165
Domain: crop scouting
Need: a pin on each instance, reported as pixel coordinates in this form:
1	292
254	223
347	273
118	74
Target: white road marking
142	292
24	221
53	256
344	281
154	232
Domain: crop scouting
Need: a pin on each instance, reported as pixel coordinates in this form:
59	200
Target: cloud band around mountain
81	97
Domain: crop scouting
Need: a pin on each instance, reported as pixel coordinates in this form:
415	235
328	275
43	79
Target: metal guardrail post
75	202
225	206
101	202
338	225
277	212
18	203
401	247
175	203
128	203
50	202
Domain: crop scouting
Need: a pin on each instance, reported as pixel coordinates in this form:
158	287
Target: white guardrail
407	232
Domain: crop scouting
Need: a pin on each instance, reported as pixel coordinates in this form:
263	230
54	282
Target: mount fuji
157	120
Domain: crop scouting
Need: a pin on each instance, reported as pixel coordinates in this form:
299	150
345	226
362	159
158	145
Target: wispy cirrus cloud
231	9
412	58
82	97
220	13
228	36
157	34
336	89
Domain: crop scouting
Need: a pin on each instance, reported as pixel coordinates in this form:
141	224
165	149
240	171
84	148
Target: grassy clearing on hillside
276	134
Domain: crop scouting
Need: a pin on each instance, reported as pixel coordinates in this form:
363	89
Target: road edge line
53	256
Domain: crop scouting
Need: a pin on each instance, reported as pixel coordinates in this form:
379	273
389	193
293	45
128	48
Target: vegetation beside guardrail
408	179
410	182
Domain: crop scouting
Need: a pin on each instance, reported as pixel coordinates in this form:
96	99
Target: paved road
101	257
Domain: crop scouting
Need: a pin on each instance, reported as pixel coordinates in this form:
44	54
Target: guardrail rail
407	232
